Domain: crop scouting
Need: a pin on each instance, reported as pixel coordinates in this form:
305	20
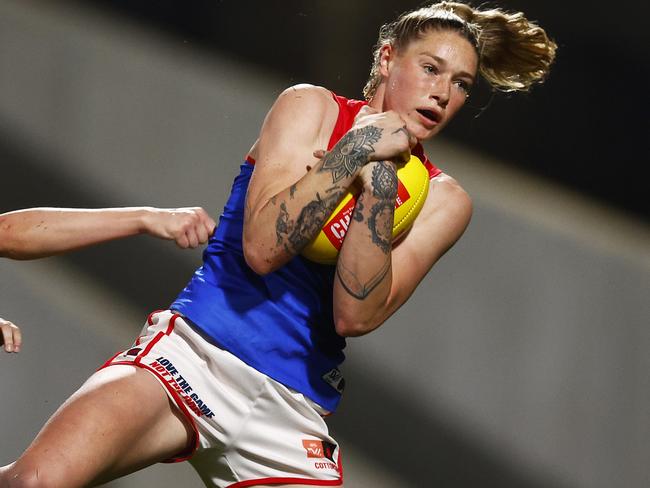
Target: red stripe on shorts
154	341
288	481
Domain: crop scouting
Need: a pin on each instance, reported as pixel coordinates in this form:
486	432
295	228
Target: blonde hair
514	53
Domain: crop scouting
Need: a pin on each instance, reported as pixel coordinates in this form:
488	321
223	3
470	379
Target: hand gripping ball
412	189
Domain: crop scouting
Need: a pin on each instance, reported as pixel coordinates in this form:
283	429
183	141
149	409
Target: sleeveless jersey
282	323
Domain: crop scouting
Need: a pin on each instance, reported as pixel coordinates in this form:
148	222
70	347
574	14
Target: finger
192	238
210	226
209	223
7	337
206	222
18	339
202	233
182	241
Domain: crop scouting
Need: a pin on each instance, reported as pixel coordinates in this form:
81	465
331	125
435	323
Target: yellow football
412	189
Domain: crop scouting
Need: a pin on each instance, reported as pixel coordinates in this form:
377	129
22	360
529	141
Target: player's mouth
430	118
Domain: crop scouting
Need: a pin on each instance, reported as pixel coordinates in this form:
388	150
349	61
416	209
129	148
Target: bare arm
286	206
40	232
373	278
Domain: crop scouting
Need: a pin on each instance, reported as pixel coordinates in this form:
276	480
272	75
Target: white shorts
249	429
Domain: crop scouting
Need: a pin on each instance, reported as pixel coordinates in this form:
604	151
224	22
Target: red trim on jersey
348	110
292	481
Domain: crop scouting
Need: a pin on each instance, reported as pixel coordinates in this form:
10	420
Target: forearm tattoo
351	152
295	234
380	224
344	161
380	220
282	224
357	214
353	285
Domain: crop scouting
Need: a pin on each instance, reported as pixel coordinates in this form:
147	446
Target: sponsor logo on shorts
165	368
317	449
335	379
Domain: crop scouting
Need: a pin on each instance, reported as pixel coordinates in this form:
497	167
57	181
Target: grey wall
520	361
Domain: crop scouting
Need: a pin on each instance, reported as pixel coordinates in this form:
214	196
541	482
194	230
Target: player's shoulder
305	96
307	90
309	112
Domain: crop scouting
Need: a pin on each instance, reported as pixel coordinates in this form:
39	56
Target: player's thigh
118	421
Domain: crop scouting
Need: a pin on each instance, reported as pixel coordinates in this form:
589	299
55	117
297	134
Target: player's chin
418	132
422	133
432	132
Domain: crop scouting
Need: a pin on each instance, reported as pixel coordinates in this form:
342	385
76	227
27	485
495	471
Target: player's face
428	80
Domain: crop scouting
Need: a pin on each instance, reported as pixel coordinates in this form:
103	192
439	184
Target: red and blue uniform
282	323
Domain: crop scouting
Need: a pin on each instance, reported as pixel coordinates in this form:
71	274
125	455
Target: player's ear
386	56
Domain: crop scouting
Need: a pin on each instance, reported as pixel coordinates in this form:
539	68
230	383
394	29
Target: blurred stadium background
523	359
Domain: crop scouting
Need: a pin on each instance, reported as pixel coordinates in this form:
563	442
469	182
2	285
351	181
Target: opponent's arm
10	336
286	206
40	232
373	278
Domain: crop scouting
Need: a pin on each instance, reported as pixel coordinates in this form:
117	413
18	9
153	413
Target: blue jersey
280	324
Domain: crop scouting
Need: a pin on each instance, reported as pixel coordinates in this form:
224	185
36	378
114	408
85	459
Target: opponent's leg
119	421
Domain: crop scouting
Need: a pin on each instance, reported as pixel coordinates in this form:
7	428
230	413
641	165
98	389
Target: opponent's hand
385	133
10	337
188	227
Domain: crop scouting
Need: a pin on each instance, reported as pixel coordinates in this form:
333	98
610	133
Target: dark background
586	128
